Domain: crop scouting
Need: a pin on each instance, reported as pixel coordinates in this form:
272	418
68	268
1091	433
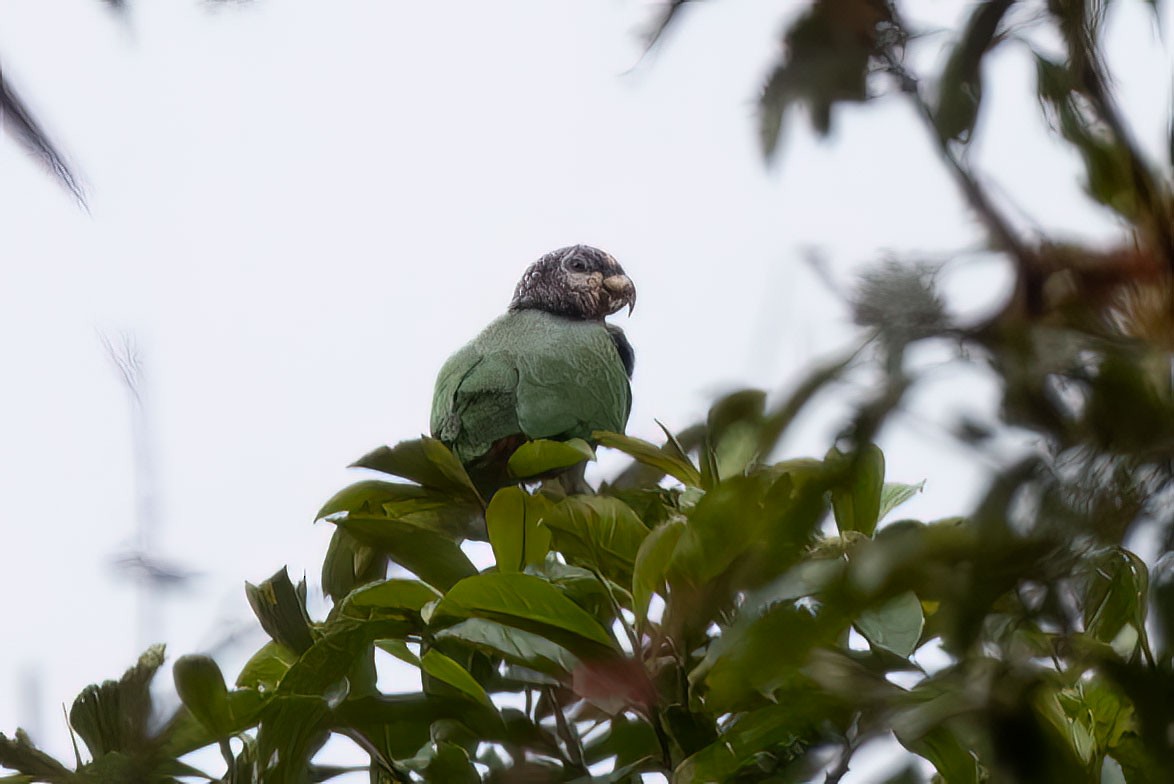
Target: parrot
549	368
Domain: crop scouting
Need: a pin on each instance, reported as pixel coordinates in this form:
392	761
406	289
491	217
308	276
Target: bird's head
578	281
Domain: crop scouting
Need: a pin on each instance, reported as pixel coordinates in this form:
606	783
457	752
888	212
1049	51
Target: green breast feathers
551	367
534	374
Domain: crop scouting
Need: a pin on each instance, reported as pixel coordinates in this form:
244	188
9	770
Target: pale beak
620	292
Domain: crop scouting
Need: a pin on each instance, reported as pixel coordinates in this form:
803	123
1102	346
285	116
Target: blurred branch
976	196
670	14
1081	36
127	360
16	119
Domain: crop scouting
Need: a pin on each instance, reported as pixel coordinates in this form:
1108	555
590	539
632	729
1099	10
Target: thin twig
1093	81
569	738
841	768
653	713
662	739
389	766
18	120
633	640
976	196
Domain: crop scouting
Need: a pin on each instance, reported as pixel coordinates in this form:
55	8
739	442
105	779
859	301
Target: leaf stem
633	640
569	738
397	773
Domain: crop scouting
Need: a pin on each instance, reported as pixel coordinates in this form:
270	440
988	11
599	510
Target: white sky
300	208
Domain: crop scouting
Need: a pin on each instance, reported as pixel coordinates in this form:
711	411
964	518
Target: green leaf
402	722
200	685
450	765
1075	734
776	513
445	669
638	476
291	731
707	457
1108	163
535	458
754	733
709	545
185	733
1138	762
1093	716
514	645
448	512
807	578
826	62
529	603
20	754
434	558
400	650
369	496
281	610
598	532
672	445
894	626
348	564
651	455
960	88
266	668
512	520
343	642
956	763
893	494
426	461
652	560
857	503
759	655
733	427
405	597
113	716
1116	587
583	587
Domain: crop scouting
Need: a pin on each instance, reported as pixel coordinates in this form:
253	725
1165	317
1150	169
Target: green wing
533	374
474	404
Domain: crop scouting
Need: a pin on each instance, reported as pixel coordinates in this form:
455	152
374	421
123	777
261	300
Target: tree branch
1093	78
976	196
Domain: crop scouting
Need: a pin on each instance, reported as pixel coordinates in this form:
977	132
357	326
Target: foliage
700	629
715	614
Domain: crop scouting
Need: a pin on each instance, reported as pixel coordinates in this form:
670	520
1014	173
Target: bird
551	367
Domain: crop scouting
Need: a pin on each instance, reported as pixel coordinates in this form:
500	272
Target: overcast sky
299	208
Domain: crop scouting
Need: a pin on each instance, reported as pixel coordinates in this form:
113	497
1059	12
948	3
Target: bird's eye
578	265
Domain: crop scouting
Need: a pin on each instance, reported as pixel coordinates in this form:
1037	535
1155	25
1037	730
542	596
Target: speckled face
578	281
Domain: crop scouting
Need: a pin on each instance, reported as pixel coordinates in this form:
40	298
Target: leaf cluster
710	614
715	614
